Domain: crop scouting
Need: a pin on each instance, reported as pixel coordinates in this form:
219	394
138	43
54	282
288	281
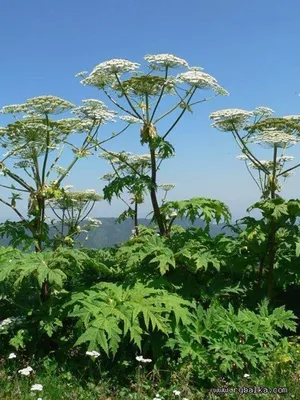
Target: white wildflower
166	186
143	360
266	163
130	119
90	191
263	111
93	353
94	223
36	387
48	105
273	136
198	79
11	356
173	214
246	376
177	392
116	66
13	109
294	118
95	110
165	60
229	119
25	371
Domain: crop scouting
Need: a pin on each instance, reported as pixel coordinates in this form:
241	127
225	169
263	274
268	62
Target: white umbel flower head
246	376
48	105
294	118
167	187
229	119
36	387
177	392
25	371
272	136
11	356
165	60
130	119
116	66
263	112
200	80
93	354
142	359
95	110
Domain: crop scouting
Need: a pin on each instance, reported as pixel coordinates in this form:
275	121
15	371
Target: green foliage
226	340
107	312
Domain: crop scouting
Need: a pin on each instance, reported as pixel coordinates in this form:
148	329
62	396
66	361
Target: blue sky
251	47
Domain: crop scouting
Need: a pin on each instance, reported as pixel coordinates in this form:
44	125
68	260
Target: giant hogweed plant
31	140
276	134
140	96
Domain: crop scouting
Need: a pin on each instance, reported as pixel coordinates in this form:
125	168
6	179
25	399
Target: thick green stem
273	229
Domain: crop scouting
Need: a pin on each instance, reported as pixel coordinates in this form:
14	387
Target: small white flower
130	119
263	111
37	387
166	60
143	360
93	353
229	119
25	371
246	376
90	191
177	392
11	356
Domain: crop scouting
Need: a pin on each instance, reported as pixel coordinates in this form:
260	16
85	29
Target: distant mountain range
110	232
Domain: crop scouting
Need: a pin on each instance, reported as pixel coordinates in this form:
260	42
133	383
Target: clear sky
250	46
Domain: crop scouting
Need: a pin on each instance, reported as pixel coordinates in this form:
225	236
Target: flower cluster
47	105
263	112
295	118
36	387
11	322
165	60
93	223
93	354
200	80
273	136
166	187
25	371
130	119
266	163
95	110
11	356
143	360
230	119
117	66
